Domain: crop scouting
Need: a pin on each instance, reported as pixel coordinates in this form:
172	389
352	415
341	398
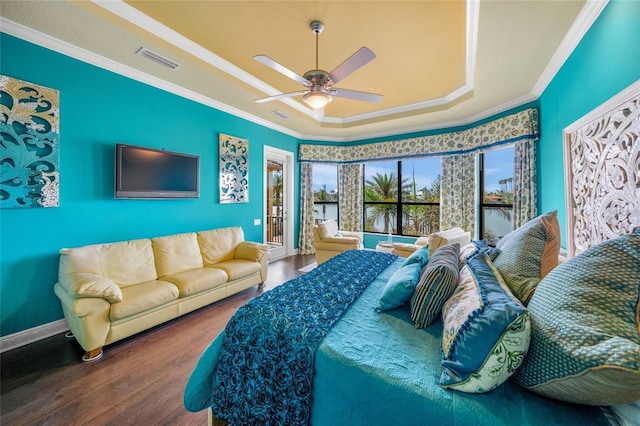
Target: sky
498	165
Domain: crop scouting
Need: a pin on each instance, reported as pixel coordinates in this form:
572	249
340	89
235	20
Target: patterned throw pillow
528	254
400	287
486	330
585	328
420	256
437	282
473	248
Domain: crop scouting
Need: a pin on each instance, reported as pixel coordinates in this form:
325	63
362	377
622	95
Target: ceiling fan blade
280	96
352	63
281	69
355	95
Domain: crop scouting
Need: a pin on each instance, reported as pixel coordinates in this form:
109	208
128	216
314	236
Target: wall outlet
256	222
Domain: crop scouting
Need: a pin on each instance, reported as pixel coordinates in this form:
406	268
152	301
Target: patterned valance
505	130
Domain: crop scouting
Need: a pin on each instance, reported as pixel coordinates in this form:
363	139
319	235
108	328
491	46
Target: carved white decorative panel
602	168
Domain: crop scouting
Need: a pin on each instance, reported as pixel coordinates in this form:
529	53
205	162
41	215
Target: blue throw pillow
486	331
400	287
420	256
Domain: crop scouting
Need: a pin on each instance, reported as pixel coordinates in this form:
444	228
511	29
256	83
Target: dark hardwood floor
138	381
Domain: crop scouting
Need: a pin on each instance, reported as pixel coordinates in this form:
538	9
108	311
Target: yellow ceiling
431	36
438	63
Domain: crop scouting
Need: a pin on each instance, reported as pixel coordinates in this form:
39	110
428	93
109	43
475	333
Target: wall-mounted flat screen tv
153	173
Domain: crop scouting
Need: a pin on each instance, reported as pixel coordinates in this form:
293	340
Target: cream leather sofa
435	240
112	291
329	241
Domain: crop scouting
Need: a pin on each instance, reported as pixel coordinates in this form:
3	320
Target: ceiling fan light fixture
317	99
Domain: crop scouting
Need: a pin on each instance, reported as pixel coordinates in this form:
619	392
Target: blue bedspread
377	368
265	372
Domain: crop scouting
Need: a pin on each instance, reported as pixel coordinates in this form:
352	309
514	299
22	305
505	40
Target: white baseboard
21	338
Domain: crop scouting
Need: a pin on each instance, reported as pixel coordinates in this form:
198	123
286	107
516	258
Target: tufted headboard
602	172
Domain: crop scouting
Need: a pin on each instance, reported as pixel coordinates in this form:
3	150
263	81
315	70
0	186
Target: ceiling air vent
279	113
158	59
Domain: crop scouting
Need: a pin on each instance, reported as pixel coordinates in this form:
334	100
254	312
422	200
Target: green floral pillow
528	254
486	330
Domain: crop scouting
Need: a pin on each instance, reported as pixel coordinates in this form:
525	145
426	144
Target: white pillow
328	229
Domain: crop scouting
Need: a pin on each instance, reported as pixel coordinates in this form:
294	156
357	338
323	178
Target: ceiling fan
319	90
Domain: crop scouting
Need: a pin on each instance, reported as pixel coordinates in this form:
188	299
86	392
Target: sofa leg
261	284
93	355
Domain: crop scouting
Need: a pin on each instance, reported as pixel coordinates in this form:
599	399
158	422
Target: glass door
278	229
275	212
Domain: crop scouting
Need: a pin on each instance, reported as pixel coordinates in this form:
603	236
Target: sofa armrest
405	249
84	284
251	251
353	234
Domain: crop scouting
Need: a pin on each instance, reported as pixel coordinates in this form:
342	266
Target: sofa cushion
126	263
400	287
143	297
528	254
219	245
486	330
197	280
238	268
328	228
585	315
176	253
437	282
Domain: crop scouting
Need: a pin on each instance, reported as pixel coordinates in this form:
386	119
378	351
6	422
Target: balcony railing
275	227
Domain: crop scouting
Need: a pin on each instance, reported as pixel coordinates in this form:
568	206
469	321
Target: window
496	186
402	197
325	192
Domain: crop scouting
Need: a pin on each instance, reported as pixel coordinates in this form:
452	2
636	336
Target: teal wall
606	61
97	109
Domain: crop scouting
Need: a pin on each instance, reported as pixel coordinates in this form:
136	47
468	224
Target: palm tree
428	217
382	188
323	196
277	192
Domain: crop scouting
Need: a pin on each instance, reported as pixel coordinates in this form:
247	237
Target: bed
566	351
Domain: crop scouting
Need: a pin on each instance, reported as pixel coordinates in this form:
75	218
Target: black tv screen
153	173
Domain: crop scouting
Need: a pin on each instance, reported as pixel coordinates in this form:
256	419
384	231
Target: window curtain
525	197
457	192
350	189
305	243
